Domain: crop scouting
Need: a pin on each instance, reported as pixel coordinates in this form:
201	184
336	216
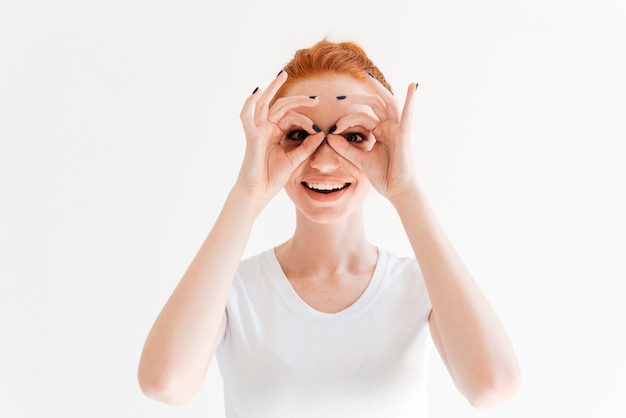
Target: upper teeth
326	186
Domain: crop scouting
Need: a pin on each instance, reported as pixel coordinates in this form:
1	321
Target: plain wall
120	138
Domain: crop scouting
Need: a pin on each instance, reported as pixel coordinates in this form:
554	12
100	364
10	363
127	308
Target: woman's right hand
267	163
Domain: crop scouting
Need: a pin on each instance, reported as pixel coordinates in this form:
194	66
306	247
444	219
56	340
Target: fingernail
333	129
371	75
255	90
316	128
341	97
279	73
314	97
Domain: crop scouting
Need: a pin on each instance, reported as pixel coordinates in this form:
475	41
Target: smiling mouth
325	187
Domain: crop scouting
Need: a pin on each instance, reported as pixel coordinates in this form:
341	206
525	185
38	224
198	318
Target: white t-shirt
279	357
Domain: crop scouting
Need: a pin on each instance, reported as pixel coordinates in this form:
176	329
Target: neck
320	249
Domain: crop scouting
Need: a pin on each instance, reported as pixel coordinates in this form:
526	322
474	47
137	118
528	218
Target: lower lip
325	197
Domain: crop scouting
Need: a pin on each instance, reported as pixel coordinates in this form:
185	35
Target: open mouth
325	187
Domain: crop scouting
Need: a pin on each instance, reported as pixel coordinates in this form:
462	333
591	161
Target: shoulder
255	263
257	271
400	265
403	278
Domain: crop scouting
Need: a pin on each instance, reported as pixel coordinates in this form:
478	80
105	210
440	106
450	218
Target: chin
330	215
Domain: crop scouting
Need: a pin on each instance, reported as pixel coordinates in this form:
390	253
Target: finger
306	149
293	120
409	105
374	101
245	115
262	107
351	153
353	120
285	104
388	98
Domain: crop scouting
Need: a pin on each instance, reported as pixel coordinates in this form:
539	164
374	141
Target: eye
353	137
298	135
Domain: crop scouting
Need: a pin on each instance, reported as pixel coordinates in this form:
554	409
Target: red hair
330	57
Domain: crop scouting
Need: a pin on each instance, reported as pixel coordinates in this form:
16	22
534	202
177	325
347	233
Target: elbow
161	386
494	388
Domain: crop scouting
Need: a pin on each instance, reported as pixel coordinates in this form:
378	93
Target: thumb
347	151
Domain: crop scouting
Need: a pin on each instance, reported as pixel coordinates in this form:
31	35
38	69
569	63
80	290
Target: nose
325	158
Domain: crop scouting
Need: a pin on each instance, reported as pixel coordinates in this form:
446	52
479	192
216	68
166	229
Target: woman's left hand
389	163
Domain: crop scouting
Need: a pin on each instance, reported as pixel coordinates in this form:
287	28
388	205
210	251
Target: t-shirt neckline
297	305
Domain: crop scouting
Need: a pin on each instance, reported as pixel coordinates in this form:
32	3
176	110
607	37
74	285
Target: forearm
180	345
477	350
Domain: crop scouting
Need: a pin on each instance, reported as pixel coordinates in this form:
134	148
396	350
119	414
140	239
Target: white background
119	139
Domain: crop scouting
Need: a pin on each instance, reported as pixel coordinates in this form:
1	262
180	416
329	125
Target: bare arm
182	341
466	331
180	345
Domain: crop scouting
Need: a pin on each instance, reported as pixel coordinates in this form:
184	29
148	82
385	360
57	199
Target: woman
327	324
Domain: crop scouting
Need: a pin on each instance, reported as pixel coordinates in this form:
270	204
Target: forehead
328	87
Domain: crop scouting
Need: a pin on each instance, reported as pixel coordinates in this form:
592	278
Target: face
327	188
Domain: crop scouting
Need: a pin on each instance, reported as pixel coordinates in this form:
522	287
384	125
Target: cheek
365	185
289	189
293	189
292	184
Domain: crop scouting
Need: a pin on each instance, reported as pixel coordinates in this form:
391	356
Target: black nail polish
314	97
279	73
255	90
341	97
371	75
333	129
316	128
